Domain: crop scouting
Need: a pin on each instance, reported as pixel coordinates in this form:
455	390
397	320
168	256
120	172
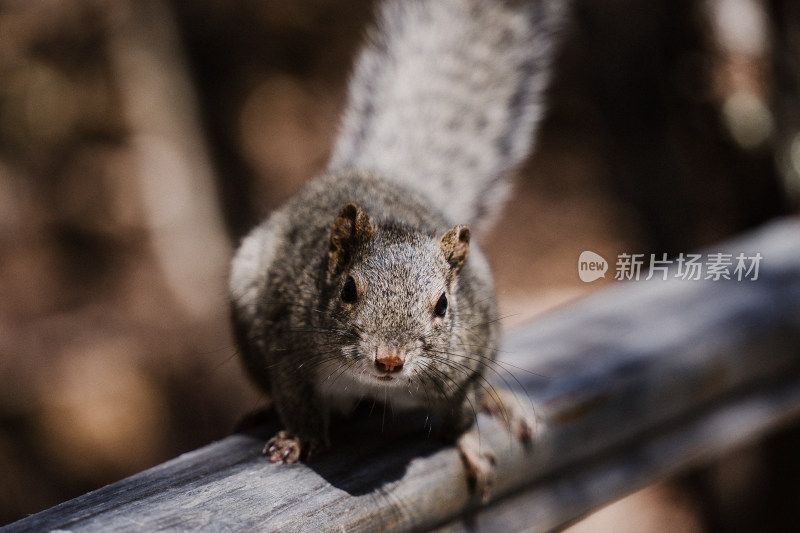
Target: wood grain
630	385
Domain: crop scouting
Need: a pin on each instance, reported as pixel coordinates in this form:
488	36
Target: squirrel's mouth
385	378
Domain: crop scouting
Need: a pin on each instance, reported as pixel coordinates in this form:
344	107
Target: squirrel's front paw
283	448
288	448
515	411
479	461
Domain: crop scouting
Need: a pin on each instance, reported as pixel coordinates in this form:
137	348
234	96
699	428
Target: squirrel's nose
389	361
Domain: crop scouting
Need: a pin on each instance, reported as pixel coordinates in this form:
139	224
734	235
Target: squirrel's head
394	290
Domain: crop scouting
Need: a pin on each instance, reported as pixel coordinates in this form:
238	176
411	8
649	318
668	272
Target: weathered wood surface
631	385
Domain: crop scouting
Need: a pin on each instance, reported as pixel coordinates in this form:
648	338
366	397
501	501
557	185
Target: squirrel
367	284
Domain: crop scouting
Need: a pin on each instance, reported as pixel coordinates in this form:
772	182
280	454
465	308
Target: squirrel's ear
351	227
455	245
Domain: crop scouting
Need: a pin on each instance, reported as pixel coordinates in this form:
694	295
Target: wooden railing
631	385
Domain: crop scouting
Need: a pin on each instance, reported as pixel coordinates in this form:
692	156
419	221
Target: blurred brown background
139	140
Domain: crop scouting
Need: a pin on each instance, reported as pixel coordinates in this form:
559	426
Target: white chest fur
342	388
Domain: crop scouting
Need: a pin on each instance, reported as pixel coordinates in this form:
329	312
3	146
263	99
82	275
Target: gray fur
287	311
443	106
446	98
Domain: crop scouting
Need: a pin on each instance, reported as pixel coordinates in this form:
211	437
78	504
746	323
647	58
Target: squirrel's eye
349	293
441	306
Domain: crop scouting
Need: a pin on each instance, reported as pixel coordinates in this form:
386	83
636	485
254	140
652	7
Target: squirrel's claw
480	461
515	411
518	415
283	448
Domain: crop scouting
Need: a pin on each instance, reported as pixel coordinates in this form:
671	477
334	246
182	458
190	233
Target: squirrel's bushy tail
446	98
